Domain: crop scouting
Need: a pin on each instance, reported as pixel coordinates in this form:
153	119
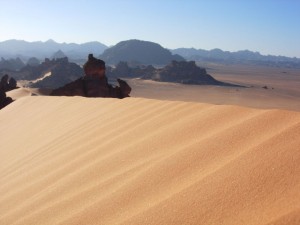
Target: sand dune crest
142	161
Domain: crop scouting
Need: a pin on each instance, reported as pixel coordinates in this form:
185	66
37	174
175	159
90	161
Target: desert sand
72	160
283	87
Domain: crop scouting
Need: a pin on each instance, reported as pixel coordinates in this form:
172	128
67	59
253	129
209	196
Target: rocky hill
139	52
177	71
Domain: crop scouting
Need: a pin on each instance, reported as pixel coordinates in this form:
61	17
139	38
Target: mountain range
239	57
136	52
41	50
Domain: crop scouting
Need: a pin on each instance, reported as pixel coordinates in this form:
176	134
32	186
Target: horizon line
109	46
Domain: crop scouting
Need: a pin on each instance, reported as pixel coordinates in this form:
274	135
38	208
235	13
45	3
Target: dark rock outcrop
7	84
183	72
4	101
12	83
91	86
94	83
177	71
136	51
122	69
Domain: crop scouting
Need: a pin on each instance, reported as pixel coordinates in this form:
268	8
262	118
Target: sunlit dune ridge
73	160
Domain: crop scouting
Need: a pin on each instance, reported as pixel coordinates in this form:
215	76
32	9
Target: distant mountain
239	57
58	55
140	52
41	50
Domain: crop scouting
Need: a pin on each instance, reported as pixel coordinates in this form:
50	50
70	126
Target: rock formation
182	72
7	84
93	87
177	71
94	83
4	101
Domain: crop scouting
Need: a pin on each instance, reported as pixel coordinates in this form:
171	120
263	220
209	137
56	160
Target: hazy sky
268	26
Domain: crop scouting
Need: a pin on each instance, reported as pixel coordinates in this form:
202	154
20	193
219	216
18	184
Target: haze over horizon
269	27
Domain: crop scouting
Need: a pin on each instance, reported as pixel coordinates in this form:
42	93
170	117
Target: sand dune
25	92
19	93
141	161
254	97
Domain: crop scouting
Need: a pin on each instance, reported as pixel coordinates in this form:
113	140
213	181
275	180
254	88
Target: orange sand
140	161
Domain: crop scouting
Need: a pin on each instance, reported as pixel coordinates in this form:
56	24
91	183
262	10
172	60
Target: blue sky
268	26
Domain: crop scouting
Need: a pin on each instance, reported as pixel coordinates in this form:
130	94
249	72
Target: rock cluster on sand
177	71
94	83
93	87
183	72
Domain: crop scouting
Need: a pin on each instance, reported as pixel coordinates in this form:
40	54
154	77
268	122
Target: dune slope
141	161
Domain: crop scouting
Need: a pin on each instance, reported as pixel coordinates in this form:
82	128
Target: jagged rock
12	83
7	84
94	83
89	86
